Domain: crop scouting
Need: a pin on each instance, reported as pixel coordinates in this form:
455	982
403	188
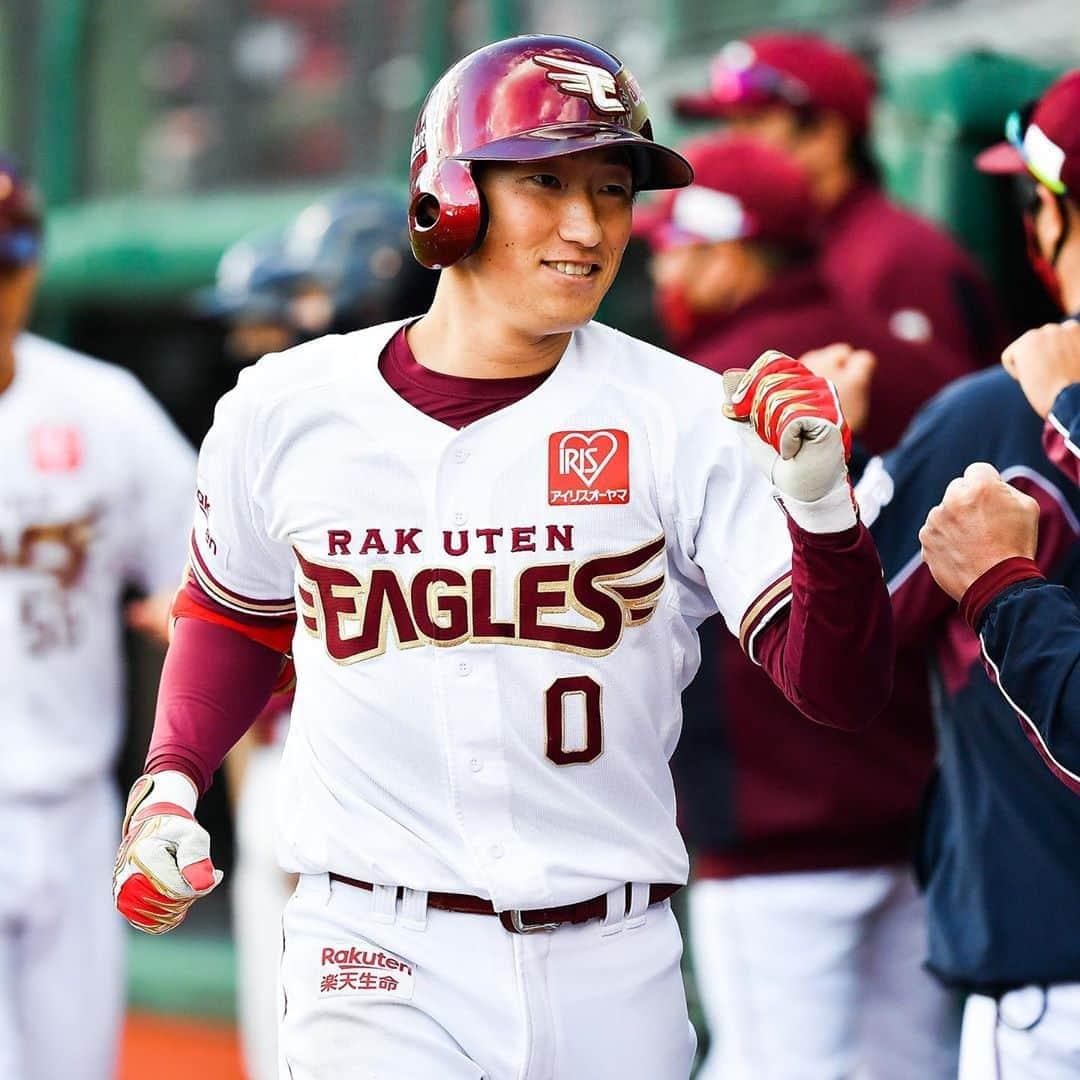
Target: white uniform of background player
494	625
259	889
95	491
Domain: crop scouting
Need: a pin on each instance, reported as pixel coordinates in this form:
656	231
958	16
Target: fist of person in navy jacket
1045	361
980	522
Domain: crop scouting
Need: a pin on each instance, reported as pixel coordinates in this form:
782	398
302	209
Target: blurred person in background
342	264
804	915
814	99
94	498
245	300
737	269
997	854
346	264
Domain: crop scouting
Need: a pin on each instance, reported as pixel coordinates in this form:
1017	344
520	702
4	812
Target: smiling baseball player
487	537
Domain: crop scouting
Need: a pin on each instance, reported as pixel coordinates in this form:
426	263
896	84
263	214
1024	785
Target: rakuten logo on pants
363	969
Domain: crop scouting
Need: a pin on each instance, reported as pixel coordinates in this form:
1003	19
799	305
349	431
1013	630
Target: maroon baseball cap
798	70
1043	139
742	190
20	217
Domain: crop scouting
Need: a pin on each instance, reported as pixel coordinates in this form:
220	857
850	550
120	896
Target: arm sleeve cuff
987	587
833	513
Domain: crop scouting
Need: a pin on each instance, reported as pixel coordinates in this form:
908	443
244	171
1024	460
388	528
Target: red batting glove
793	429
778	395
163	865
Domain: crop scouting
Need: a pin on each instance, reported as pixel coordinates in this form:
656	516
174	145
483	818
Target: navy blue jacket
1030	632
999	839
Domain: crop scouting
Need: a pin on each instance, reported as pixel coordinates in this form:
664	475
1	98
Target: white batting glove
794	430
163	865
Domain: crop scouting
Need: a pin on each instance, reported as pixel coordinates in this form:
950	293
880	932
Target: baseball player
804	913
344	262
997	851
980	541
487	536
95	484
814	99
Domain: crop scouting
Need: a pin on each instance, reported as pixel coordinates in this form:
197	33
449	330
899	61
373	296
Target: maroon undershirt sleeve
832	654
214	684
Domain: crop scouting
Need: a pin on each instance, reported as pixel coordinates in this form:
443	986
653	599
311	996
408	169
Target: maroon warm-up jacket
759	789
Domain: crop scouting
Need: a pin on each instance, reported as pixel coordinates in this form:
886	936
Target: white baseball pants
375	989
1030	1034
818	976
61	942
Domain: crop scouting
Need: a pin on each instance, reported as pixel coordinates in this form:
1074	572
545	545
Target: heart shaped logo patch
589	468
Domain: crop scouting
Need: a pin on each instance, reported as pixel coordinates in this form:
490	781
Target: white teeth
573	269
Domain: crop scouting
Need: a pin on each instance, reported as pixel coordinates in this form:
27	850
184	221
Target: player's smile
572	269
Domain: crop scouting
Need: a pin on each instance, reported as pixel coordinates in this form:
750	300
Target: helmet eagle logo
583	80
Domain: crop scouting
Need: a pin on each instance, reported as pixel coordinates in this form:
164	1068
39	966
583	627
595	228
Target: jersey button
475	764
496	851
460	518
461	456
463	669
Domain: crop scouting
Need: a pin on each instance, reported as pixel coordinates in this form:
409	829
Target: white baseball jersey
95	493
494	624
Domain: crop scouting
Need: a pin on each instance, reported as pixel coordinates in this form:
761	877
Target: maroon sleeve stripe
1060	449
247	605
769	602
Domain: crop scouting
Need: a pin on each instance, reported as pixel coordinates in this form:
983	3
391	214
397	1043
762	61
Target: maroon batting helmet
527	98
20	217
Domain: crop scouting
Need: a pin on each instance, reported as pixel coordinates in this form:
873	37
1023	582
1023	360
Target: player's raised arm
233	622
831	651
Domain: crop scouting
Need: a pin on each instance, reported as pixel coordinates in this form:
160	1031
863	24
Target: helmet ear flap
446	215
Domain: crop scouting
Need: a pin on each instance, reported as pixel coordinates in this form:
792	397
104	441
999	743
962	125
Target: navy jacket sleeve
982	417
1061	436
1030	636
895	494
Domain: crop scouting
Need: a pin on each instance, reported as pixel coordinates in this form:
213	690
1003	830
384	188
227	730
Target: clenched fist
1045	361
851	371
794	430
163	865
980	522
